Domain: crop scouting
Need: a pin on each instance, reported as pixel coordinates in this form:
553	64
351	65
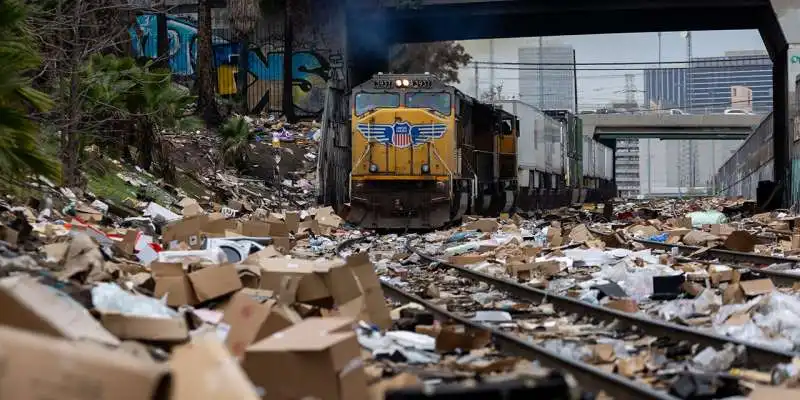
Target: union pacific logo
402	134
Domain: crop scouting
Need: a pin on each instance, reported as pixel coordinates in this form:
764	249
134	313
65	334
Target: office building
547	76
705	87
653	167
665	88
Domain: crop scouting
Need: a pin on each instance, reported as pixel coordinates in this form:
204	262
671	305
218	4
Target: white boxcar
609	171
539	144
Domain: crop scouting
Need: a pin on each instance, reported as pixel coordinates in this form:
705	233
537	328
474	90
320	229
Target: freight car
408	151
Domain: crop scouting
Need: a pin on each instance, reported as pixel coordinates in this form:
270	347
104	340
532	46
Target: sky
598	88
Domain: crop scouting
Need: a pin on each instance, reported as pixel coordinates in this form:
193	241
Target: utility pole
477	82
541	77
491	70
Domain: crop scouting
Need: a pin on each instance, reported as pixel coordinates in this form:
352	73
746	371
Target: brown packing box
204	370
41	367
214	281
186	231
251	320
352	285
204	284
364	300
309	276
171	280
29	305
324	350
136	327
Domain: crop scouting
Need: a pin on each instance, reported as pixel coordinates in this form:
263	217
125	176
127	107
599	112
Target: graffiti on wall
311	70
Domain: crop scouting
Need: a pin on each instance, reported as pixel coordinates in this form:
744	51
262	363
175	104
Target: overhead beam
547	18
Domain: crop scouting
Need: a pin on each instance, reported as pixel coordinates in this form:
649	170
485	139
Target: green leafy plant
20	152
236	137
131	105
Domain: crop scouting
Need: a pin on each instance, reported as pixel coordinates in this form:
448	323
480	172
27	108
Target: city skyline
596	88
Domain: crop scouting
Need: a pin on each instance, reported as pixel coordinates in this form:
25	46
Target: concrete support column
782	137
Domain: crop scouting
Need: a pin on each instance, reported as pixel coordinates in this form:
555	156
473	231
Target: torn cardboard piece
204	370
48	368
31	306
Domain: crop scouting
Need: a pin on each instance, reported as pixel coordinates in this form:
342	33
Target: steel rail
779	277
757	355
588	376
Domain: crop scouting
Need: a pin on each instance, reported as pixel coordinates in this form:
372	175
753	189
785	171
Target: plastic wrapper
700	218
110	298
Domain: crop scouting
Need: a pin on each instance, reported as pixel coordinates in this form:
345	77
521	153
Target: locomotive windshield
439	102
366	102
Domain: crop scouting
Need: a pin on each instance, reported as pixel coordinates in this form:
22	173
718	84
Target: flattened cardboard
740	241
134	327
757	287
48	368
204	370
624	305
31	306
215	281
328	356
483	225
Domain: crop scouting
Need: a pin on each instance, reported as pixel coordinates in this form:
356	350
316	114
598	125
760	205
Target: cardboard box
250	320
42	367
29	305
307	276
134	327
324	350
365	300
184	288
204	370
351	286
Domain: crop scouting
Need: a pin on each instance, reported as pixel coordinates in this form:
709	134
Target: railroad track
588	376
758	261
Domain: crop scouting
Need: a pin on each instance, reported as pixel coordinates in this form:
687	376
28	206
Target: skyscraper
548	87
705	87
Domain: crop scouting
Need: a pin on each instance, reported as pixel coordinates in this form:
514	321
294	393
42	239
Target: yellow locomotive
408	151
424	154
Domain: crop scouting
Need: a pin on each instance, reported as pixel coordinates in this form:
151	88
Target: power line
568	69
693	61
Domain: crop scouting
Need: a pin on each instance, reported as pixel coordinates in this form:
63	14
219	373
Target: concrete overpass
608	127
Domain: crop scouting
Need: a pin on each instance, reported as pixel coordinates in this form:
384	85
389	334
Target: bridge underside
610	133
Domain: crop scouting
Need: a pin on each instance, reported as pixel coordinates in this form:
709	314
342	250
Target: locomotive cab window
439	102
505	128
366	102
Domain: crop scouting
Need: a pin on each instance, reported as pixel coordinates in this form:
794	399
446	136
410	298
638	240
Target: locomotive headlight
373	168
426	168
406	82
398	83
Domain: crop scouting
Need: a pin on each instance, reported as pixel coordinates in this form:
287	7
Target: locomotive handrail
449	172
